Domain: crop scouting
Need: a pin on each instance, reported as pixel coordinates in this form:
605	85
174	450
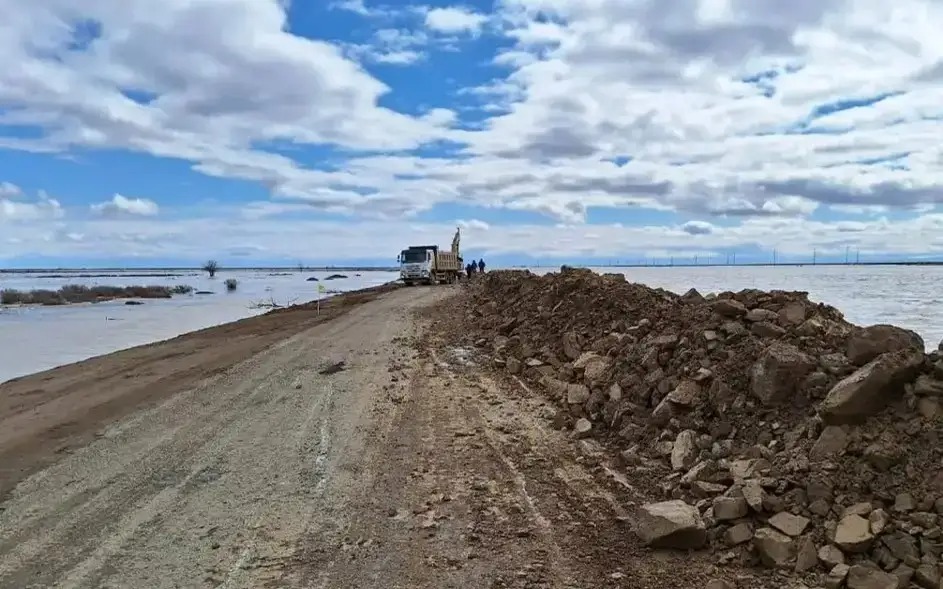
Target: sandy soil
227	459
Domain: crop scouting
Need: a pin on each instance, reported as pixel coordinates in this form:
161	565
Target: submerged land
519	431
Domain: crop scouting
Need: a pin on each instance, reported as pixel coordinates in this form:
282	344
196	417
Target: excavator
427	264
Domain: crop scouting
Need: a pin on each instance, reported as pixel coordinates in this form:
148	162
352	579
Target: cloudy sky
271	131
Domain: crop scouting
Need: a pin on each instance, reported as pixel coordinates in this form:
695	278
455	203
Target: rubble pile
762	426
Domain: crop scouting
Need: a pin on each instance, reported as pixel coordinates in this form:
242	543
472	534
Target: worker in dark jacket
468	268
481	265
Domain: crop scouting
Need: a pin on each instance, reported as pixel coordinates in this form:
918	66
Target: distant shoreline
170	271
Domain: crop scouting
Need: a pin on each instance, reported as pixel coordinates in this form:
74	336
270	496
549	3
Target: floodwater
907	296
38	338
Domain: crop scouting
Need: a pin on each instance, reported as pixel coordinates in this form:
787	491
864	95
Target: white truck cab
416	264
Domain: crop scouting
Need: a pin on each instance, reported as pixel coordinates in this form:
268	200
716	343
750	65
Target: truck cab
416	264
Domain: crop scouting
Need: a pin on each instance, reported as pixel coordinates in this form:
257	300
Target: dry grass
77	293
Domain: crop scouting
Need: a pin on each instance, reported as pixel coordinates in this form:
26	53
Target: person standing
481	265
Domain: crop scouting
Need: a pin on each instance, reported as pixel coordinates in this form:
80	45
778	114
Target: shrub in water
231	284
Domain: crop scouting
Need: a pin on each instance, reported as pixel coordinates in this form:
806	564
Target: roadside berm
759	428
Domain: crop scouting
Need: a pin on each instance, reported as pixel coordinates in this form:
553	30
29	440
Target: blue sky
273	131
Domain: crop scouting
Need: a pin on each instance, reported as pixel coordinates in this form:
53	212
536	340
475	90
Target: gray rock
883	455
577	394
514	365
871	387
870	342
902	546
904	503
865	577
927	386
789	524
836	576
757	315
685	451
615	392
754	495
704	489
832	441
738	534
595	371
806	557
792	314
778	372
862	509
745	469
924	519
854	534
720	584
728	308
700	472
583	427
820	507
904	574
686	393
671	524
831	555
927	576
679	399
729	508
571	345
928	407
775	549
878	520
767	329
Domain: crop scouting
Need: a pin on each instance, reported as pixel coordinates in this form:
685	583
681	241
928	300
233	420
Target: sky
267	132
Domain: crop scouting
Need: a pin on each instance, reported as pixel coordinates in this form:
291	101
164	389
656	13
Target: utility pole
814	253
695	260
774	256
847	249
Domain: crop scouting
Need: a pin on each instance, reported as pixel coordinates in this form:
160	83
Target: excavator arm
456	240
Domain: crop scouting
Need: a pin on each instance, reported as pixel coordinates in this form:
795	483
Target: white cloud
41	208
455	19
473	224
9	190
120	206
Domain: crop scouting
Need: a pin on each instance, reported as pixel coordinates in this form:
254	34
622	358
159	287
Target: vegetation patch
77	293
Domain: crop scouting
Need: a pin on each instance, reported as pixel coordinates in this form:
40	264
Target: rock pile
762	425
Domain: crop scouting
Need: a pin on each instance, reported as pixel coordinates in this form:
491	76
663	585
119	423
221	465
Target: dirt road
409	468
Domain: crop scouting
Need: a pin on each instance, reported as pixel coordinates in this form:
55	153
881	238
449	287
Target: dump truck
427	264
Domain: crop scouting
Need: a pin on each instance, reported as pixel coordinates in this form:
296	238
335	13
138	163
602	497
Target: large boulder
779	372
854	534
869	577
775	549
671	524
871	387
868	343
685	451
729	308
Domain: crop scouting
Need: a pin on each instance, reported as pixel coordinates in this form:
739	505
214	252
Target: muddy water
38	338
